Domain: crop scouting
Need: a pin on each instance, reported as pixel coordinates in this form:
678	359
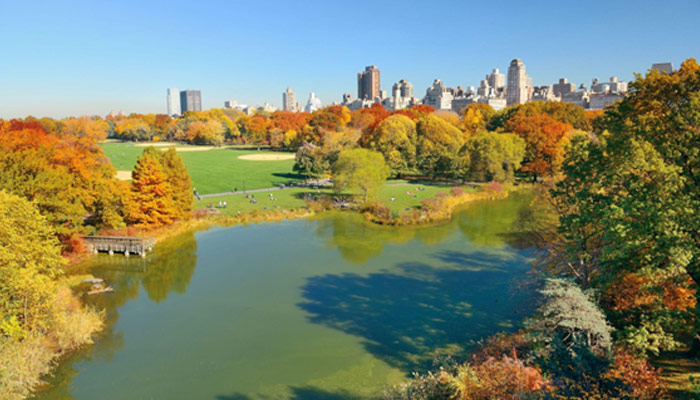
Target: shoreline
444	211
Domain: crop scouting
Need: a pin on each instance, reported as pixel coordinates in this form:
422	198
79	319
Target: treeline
61	169
476	144
618	227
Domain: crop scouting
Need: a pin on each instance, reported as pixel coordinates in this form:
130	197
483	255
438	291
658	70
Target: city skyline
58	70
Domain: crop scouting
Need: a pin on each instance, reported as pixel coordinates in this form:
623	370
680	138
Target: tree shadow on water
300	393
234	396
408	317
313	393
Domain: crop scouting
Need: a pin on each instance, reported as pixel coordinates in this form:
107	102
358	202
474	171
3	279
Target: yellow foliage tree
151	201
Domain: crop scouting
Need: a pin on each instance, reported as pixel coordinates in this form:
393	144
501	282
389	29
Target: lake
324	308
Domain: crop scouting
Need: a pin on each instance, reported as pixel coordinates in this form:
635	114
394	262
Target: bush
504	378
430	386
321	203
495	346
641	380
22	363
456	191
493	187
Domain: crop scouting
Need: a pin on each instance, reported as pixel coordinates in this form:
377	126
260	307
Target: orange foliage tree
545	139
151	203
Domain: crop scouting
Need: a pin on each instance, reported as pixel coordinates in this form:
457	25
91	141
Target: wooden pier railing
120	244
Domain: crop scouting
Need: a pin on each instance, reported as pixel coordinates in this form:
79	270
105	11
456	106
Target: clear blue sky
61	58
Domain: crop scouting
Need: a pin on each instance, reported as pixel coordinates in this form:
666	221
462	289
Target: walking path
321	183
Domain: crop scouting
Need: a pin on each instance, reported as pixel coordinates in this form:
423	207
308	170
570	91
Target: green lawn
216	170
284	199
402	199
294	198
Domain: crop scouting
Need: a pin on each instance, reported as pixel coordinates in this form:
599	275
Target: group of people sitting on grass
222	204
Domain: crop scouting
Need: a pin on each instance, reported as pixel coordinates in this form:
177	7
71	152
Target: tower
289	100
368	83
519	83
190	100
173	102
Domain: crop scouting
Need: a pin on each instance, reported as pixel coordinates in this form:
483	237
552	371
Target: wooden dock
120	244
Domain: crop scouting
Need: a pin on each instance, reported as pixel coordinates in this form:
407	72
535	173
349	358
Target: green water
328	308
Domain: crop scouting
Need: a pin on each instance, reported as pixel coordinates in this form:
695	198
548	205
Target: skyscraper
173	102
519	83
191	100
666	67
289	100
496	79
368	83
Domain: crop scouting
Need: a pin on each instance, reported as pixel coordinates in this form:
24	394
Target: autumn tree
546	139
476	116
30	259
179	180
67	176
566	113
360	170
133	128
255	129
205	132
151	202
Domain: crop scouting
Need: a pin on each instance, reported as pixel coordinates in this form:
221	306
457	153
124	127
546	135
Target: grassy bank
23	361
436	209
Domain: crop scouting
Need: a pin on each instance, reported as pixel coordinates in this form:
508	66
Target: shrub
456	191
495	346
493	187
22	363
429	204
320	203
641	380
430	386
504	378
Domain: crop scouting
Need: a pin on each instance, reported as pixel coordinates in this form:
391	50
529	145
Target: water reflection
169	268
356	239
485	223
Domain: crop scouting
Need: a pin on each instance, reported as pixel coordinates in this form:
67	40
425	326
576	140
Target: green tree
395	138
438	146
493	156
310	161
360	170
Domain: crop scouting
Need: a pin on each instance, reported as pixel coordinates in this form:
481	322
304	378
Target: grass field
294	198
284	199
220	170
216	170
